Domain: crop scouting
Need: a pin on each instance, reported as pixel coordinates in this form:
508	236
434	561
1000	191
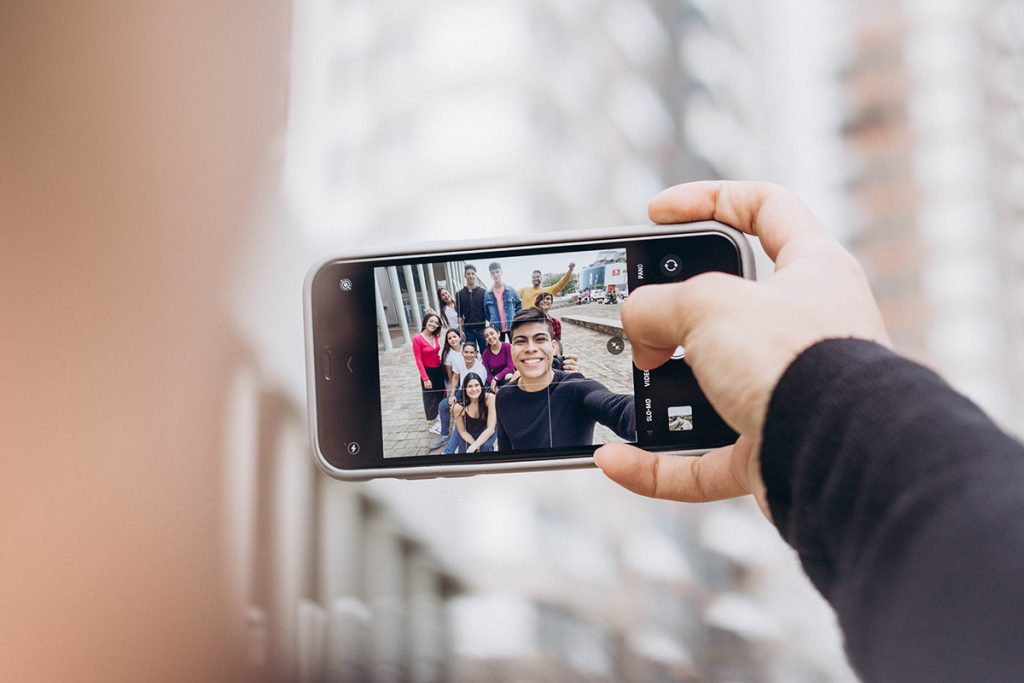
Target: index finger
770	212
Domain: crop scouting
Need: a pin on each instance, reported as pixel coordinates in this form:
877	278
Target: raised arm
560	285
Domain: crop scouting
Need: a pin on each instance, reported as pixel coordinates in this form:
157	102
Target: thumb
720	473
658	318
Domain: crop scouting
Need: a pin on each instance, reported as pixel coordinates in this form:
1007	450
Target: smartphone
454	359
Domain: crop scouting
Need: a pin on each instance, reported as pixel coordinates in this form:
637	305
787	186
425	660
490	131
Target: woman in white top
448	313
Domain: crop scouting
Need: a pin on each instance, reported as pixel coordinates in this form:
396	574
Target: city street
404	424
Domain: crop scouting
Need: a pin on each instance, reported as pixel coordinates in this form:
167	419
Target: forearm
419	364
482	439
505	371
615	411
904	502
560	285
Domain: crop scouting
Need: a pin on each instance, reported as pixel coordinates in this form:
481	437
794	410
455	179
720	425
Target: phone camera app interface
523	351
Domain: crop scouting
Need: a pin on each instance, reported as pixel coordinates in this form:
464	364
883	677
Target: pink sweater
426	354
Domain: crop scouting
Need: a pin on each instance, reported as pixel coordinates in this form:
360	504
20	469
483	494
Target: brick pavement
404	424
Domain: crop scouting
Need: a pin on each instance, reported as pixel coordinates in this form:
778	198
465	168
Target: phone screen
504	354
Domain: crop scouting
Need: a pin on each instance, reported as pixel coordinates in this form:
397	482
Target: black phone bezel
331	333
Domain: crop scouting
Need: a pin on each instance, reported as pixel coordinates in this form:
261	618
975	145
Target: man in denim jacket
501	316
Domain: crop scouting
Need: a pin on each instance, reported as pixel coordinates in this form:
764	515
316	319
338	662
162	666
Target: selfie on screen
518	353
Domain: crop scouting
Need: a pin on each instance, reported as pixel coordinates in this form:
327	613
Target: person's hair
530	315
427	318
494	266
447	346
544	295
451	301
469	267
470	342
537	272
482	400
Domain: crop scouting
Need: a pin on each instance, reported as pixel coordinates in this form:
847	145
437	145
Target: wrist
817	383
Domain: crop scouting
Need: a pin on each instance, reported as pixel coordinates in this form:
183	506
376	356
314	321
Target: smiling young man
549	408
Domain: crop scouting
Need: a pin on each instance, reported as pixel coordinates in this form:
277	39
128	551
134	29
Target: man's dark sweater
906	506
470	304
561	415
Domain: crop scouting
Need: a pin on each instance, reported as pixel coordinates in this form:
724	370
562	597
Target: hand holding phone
367	339
740	336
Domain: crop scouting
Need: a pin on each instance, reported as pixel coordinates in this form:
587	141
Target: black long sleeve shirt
564	414
906	506
470	305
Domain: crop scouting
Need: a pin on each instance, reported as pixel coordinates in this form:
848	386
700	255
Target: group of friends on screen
494	375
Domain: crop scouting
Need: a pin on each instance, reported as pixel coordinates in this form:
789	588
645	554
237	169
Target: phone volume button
349	366
327	365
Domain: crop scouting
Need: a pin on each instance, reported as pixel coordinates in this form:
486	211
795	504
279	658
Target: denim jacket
510	301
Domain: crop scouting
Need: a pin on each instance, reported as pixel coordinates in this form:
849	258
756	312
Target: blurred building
455	119
480	118
934	140
331	586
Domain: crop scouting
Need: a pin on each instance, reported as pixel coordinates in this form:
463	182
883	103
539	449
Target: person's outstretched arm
605	407
905	503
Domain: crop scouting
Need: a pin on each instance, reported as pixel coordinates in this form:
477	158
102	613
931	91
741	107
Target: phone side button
327	365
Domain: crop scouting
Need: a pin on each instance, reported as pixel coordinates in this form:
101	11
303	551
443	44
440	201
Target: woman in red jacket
426	347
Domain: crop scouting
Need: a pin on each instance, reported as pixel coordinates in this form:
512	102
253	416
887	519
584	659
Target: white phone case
455	248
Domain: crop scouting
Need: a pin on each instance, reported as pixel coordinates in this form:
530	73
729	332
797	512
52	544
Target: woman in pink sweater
426	348
497	358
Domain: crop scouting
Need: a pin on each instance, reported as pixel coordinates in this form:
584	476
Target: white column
396	295
342	542
414	304
292	541
426	622
423	287
386	598
382	320
432	283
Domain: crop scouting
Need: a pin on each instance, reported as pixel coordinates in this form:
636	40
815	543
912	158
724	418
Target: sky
516	270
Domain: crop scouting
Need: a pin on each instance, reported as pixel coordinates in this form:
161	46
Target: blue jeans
445	411
476	335
456	444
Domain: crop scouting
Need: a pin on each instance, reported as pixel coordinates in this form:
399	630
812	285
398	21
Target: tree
552	278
